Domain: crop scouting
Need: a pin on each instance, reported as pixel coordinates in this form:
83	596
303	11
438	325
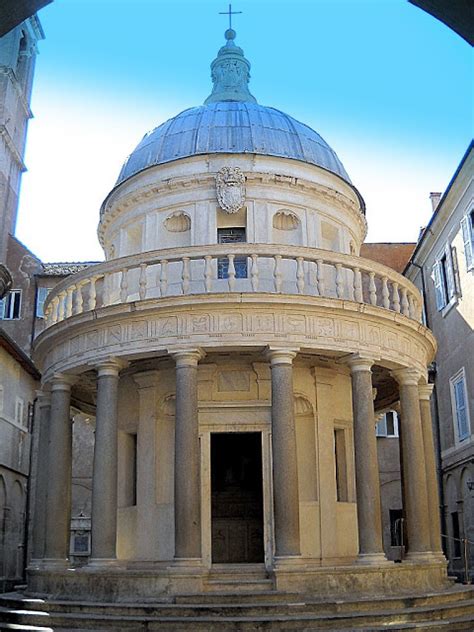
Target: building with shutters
442	267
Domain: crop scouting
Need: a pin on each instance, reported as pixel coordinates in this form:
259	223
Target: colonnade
53	493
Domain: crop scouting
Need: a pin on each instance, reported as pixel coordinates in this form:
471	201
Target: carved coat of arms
230	185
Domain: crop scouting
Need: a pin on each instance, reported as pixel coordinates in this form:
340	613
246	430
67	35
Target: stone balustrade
238	268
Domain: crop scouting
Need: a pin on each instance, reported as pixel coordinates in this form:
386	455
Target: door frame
267	488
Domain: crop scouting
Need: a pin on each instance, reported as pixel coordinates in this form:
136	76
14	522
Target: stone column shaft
285	465
41	488
430	467
58	511
369	514
187	488
414	470
104	481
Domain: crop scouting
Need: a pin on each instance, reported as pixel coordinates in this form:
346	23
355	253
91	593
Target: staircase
224	611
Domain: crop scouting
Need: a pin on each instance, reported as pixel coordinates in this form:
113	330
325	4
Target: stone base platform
162	581
450	610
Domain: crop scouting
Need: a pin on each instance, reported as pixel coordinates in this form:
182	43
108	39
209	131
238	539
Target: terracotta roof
394	255
64	268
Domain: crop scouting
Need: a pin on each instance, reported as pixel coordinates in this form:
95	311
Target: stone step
462	612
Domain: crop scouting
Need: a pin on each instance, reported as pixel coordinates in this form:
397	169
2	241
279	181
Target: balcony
246	268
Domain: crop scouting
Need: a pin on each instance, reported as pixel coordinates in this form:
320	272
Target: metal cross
230	13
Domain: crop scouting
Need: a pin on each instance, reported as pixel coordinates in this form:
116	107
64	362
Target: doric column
414	472
58	504
369	515
425	391
285	466
187	486
104	480
43	408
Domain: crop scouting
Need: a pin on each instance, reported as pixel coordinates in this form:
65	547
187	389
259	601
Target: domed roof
231	122
232	127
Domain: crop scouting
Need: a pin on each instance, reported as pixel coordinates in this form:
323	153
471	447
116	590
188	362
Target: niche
287	228
177	230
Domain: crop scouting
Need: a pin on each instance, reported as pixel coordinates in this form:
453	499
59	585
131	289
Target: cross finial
230	13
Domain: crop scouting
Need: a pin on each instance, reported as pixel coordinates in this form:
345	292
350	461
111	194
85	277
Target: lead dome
231	122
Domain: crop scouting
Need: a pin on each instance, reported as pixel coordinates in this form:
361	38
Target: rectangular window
231	236
467	227
41	297
460	405
19	411
10	305
388	425
81	544
130	469
396	527
456	534
443	278
341	465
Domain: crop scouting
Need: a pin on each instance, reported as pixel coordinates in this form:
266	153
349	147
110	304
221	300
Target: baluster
164	277
55	310
69	293
47	315
395	297
254	273
92	293
339	281
372	289
61	307
208	273
358	295
412	306
124	286
231	272
320	277
79	300
142	281
385	293
185	276
300	274
277	276
404	303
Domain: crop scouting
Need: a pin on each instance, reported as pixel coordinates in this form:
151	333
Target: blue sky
385	84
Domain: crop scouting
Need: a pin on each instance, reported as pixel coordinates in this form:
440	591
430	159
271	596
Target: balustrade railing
196	270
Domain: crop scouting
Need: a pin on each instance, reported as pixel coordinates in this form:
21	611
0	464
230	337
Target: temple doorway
237	498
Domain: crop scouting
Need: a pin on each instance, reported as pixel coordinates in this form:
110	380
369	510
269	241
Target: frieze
134	335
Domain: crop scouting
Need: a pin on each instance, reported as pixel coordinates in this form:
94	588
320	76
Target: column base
425	556
374	559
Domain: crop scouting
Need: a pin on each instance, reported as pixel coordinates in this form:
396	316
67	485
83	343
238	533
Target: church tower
18	50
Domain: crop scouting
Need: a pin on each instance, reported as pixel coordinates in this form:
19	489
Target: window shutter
439	289
2	308
450	273
461	413
467	238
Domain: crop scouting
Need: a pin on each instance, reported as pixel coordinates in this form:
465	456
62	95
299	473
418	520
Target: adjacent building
442	267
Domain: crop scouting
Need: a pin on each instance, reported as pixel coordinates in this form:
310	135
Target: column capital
187	356
278	356
425	391
408	376
43	397
62	382
358	362
110	366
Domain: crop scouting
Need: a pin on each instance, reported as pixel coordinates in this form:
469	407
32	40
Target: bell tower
18	50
